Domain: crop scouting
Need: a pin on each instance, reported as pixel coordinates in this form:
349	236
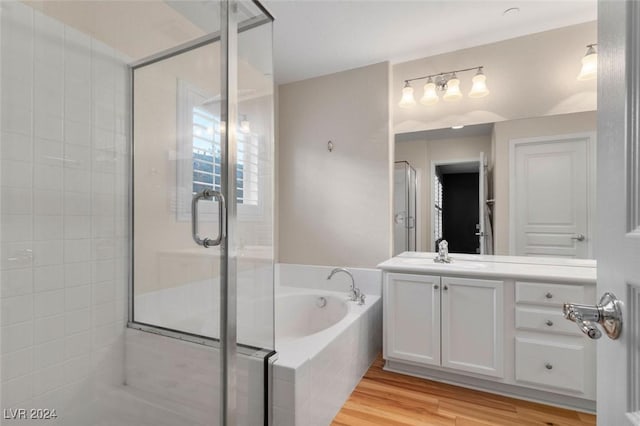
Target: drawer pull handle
548	295
549	323
548	366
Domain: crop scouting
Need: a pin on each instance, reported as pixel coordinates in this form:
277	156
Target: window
206	157
199	155
437	202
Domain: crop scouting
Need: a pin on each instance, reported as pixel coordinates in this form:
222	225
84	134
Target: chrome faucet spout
443	253
354	292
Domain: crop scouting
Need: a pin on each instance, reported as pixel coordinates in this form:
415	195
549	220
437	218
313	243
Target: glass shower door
111	313
202	221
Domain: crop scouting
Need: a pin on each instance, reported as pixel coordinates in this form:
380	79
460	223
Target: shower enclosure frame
411	205
227	343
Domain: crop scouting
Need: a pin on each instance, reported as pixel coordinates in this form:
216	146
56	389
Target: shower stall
404	207
136	203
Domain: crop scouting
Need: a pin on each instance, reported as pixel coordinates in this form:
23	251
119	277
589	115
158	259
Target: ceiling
318	37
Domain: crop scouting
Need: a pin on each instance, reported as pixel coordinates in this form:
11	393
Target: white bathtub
323	351
301	314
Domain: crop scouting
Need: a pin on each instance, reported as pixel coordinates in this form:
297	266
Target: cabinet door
412	318
472	325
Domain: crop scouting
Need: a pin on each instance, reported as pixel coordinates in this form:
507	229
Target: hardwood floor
390	399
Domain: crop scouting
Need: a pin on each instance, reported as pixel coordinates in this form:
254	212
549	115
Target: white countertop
478	266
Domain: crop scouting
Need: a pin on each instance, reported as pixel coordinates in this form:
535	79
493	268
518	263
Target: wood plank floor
391	399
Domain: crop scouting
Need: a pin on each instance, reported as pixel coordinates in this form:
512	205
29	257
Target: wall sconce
446	82
589	69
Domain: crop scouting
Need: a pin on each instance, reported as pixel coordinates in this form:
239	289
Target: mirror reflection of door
457	206
552	191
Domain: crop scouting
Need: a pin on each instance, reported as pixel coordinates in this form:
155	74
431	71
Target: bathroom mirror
512	173
519	187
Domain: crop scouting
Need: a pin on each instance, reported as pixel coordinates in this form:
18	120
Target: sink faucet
443	253
355	294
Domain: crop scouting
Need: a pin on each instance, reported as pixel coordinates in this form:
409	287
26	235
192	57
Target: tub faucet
355	295
443	253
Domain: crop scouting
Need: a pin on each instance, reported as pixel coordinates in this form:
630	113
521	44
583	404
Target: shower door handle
208	194
411	222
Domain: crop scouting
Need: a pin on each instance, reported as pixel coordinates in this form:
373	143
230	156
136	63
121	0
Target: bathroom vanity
493	323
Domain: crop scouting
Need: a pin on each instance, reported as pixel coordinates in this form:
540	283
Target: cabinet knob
549	323
548	295
436	286
548	366
446	288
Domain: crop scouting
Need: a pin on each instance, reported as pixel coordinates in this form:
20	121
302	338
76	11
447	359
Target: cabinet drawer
547	320
549	294
547	364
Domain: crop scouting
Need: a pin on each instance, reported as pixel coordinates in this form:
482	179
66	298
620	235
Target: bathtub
324	345
324	342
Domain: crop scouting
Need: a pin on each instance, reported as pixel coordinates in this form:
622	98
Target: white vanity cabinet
551	352
412	318
452	322
493	324
473	325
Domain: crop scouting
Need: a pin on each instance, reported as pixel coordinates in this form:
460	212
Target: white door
473	325
618	239
482	203
551	195
412	323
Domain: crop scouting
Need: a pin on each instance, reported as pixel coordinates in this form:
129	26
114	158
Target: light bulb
407	96
430	96
589	69
453	92
479	88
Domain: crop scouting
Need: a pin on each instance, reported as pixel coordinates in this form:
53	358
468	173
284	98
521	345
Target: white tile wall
61	260
313	276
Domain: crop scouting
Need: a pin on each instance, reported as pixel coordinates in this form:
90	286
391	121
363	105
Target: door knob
607	313
578	237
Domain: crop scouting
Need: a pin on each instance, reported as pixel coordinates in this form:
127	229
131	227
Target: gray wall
334	207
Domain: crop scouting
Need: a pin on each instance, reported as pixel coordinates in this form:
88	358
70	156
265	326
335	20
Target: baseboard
514	391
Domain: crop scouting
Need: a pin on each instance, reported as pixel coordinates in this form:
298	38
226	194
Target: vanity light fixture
430	96
453	92
446	82
407	96
589	69
479	88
